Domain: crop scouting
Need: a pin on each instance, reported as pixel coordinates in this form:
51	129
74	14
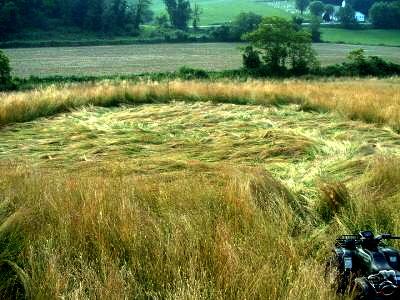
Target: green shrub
251	58
360	65
190	73
5	72
385	15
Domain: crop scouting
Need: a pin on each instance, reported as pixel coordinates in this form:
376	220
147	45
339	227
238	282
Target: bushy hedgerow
360	65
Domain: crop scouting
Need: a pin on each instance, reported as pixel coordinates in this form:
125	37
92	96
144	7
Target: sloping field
134	59
222	11
388	37
192	189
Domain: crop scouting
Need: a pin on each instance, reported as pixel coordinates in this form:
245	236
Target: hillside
221	11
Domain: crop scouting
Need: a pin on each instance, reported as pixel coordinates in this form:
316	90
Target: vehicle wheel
14	283
362	289
338	279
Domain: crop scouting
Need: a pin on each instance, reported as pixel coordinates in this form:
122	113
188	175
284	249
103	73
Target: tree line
381	13
101	16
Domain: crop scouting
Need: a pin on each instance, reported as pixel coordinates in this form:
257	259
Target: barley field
134	59
192	189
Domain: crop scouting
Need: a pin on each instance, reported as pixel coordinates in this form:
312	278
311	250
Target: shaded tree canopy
89	15
316	8
302	5
346	16
385	14
180	13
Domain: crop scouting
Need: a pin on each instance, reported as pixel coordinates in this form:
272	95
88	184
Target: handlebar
354	240
387	236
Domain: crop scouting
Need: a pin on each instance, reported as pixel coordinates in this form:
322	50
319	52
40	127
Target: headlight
348	263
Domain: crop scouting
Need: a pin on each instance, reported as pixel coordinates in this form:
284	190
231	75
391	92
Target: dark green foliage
360	65
315	29
10	19
346	17
244	23
222	33
190	73
316	8
385	15
100	16
180	13
302	5
284	46
140	10
234	31
197	11
333	2
162	21
251	58
297	22
94	18
5	72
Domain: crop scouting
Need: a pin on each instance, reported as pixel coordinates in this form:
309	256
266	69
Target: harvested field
134	59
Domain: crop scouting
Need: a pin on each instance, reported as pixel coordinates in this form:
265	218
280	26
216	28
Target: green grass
221	11
364	36
134	59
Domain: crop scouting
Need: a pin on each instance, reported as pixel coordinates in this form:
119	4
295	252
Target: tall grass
226	233
209	223
370	100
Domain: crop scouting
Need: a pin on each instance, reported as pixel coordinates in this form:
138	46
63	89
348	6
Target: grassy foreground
190	195
370	100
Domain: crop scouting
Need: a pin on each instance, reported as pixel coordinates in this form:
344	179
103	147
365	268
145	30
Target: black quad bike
366	267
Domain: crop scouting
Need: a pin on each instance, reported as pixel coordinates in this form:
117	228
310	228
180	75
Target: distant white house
360	17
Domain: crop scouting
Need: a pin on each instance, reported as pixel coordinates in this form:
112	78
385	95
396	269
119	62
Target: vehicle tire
14	282
339	279
362	289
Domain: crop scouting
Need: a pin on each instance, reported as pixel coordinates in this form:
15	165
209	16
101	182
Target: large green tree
302	5
346	16
283	46
140	9
385	15
10	19
316	8
180	13
244	23
88	15
197	12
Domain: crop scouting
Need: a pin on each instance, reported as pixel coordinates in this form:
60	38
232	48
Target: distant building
360	17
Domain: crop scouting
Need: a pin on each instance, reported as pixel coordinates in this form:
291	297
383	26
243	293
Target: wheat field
192	190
